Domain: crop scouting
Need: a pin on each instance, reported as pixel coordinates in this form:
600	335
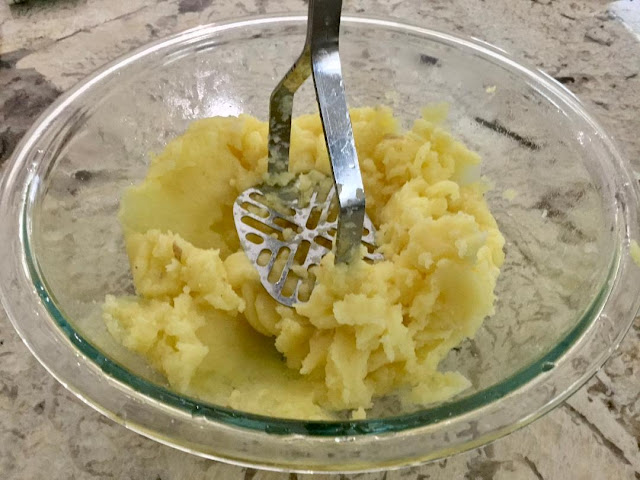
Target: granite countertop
48	45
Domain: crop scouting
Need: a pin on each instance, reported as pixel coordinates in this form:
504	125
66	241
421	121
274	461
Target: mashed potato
203	319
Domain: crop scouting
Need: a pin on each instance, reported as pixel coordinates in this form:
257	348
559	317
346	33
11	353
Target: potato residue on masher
203	319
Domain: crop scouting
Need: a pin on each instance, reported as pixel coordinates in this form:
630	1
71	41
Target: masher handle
321	58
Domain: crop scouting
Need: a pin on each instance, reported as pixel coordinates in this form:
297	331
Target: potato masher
281	234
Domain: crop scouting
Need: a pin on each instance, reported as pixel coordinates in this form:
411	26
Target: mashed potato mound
203	319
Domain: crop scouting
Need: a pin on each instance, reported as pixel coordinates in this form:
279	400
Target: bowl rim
119	381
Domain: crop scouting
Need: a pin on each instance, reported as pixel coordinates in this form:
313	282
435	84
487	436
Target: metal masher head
281	234
285	241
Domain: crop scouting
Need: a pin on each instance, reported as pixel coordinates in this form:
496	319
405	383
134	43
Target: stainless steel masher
282	234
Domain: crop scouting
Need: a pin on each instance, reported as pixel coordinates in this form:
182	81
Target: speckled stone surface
46	46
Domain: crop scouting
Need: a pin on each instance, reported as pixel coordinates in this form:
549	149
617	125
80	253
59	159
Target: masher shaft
320	57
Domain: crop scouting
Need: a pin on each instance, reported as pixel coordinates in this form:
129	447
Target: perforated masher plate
277	241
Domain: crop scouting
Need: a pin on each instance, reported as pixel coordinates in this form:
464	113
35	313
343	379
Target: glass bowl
562	196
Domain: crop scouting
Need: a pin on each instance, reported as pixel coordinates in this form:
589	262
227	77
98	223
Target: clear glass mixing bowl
566	296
